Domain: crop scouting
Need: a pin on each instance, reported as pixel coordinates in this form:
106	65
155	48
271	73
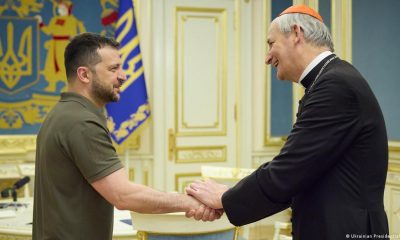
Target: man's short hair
314	30
82	51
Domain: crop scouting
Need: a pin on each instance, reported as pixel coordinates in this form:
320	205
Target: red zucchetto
303	9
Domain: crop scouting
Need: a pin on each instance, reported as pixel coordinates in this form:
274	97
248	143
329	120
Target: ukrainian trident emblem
17	68
33	37
21	104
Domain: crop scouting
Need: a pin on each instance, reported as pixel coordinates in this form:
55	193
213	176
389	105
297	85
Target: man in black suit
332	169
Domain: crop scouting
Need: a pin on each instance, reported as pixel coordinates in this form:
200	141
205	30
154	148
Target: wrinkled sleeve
92	151
325	128
246	202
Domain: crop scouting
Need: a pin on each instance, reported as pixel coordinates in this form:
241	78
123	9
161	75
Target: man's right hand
208	192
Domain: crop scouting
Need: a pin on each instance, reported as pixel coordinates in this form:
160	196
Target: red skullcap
303	9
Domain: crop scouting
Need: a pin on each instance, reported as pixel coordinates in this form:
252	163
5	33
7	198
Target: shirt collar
314	63
75	97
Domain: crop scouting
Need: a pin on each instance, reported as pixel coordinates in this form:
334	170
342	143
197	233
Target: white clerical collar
314	63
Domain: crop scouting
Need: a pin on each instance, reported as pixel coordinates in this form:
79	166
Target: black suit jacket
332	169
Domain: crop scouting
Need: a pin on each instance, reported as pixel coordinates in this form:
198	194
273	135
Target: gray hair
315	31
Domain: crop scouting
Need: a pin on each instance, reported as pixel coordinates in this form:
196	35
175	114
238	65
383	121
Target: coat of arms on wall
33	36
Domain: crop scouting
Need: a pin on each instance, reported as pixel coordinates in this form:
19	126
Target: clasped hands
208	194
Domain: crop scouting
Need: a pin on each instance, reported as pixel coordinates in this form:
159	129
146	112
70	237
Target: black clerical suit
332	169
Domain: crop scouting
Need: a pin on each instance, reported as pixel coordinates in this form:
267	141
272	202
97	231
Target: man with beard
79	177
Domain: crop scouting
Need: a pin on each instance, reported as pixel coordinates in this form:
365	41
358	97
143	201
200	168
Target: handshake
204	198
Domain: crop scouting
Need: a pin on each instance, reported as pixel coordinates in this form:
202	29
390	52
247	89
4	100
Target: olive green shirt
73	150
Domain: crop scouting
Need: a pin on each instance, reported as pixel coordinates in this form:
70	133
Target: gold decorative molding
17	144
269	140
183	179
394	167
131	143
183	126
394	147
141	235
146	177
9	171
225	173
341	27
14	237
200	154
131	174
394	157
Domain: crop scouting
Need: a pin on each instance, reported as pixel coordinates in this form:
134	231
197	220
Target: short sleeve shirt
73	150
